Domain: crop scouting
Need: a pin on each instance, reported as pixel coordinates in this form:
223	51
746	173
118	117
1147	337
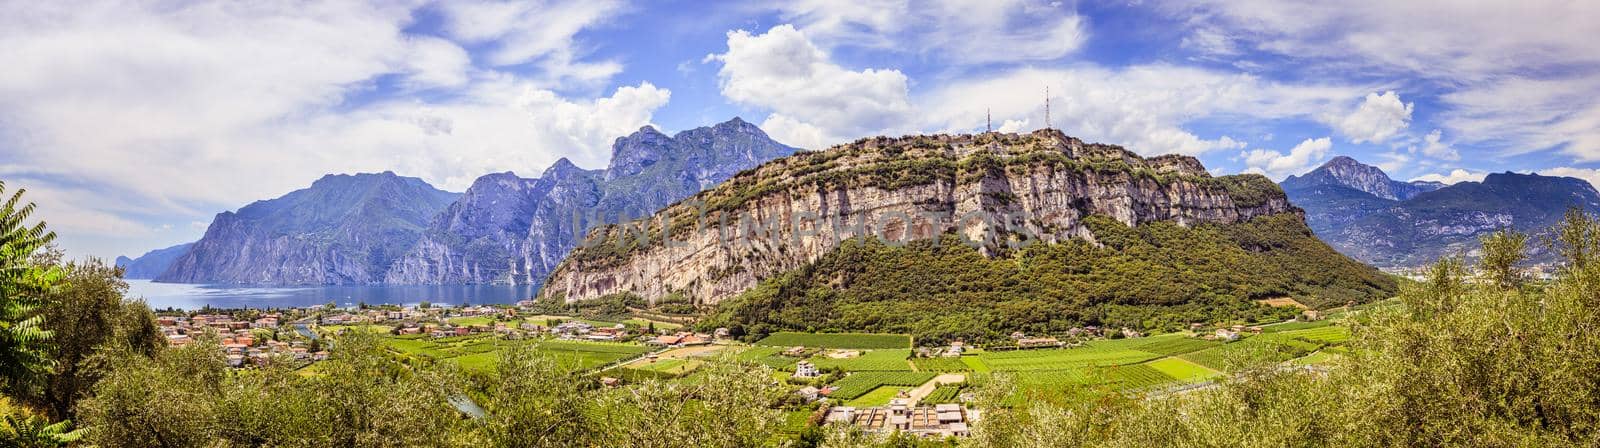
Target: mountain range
384	228
1360	211
152	263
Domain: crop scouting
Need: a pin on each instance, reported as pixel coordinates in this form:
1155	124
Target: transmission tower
1047	107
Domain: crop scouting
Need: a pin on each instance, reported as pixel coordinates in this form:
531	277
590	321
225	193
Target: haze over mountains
384	228
1358	210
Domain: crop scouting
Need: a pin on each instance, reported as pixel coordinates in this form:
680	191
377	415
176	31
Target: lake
194	296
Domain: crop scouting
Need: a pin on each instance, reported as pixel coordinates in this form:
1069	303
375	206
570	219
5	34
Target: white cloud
956	31
1433	147
1277	165
1011	126
540	32
1590	175
185	110
1525	115
1393	162
1378	118
1518	74
1455	176
1142	107
782	71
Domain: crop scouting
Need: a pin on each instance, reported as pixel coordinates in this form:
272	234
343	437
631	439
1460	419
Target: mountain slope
506	229
1449	221
152	263
343	229
782	229
1346	172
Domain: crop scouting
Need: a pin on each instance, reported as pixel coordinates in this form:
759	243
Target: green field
472	320
1095	353
941	365
943	394
861	341
1183	370
858	384
880	360
877	397
480	352
1173	345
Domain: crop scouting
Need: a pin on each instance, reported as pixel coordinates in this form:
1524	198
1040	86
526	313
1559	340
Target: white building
805	369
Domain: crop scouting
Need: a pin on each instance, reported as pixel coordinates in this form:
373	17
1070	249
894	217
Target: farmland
858	384
481	352
873	360
861	341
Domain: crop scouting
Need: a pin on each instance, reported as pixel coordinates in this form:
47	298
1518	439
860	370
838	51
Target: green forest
1157	276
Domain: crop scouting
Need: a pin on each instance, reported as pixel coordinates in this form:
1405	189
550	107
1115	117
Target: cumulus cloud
1142	107
186	110
955	31
1378	118
1455	176
1433	147
1277	165
813	100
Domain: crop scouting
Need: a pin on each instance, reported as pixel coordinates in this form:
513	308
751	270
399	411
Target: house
1018	335
944	420
795	352
1130	333
1312	315
805	369
808	392
1226	335
955	350
610	382
720	333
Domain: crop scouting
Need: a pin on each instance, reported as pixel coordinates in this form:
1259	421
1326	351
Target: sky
132	124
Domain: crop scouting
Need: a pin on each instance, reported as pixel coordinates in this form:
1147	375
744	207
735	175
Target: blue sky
132	123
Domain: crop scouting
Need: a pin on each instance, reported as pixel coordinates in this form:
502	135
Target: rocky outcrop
152	263
507	229
997	191
344	229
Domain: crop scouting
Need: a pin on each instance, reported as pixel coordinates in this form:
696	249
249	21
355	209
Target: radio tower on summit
1047	107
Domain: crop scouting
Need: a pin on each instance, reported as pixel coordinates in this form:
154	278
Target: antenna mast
1047	107
988	121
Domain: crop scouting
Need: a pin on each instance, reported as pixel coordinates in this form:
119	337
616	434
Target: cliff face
152	263
994	190
344	229
507	229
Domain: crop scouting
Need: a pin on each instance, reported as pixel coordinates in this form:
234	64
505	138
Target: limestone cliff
995	190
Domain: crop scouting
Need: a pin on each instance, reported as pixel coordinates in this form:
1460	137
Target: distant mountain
1346	172
152	263
1346	206
344	229
507	229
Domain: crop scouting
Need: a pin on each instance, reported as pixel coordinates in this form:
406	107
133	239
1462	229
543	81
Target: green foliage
91	325
1458	365
945	393
941	365
1156	276
23	287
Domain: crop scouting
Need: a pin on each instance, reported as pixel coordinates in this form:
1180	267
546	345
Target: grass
873	360
941	365
861	341
877	397
471	320
1096	353
976	364
858	384
481	352
1183	370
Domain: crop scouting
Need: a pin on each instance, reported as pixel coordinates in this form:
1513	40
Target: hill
152	263
1417	229
971	236
343	229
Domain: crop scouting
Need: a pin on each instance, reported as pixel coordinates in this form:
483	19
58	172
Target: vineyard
941	365
858	384
874	360
943	394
